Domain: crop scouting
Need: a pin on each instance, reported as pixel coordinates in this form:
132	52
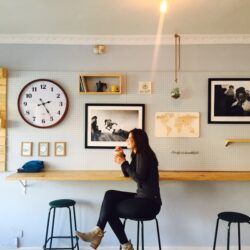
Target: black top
144	172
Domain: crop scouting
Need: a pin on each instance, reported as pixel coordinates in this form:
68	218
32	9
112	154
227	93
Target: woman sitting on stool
143	169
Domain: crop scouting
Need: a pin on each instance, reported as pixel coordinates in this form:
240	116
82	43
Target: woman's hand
119	156
119	159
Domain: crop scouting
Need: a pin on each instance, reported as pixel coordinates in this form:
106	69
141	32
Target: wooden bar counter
106	175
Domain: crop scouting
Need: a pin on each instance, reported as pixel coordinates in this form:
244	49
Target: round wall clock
43	103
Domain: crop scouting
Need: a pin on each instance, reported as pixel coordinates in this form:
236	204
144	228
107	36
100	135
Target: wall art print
108	125
229	100
177	124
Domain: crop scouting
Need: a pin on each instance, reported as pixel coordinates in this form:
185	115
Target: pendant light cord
177	56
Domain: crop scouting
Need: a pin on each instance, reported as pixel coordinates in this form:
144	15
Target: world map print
177	124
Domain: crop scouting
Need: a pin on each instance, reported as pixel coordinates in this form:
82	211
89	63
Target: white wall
189	208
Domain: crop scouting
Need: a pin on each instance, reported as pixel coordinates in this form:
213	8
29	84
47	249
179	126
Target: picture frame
60	148
229	100
26	148
108	125
43	148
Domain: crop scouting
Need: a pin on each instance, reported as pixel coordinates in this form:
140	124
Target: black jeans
129	204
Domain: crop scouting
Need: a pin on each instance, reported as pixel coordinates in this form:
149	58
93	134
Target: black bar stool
231	217
63	203
140	221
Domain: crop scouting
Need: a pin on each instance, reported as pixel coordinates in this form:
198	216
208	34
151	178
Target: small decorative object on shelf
101	86
100	83
114	88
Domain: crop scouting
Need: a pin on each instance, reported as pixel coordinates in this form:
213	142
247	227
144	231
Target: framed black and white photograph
108	125
229	100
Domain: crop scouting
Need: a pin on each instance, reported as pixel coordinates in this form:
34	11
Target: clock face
42	103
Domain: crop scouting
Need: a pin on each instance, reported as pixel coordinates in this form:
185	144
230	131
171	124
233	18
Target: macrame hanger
177	56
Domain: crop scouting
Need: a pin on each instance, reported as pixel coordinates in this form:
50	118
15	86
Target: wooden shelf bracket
229	141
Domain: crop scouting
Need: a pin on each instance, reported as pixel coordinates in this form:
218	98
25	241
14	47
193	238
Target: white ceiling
123	17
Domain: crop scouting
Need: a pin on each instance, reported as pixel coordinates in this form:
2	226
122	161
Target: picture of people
229	100
108	125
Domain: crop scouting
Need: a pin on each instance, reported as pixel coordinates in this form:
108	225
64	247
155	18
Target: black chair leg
216	231
124	224
74	214
239	236
228	235
142	236
71	231
52	229
138	234
47	230
158	233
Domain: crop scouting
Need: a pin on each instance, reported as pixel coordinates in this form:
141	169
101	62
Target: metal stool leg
239	236
47	230
158	233
52	229
124	224
228	235
216	231
142	236
71	231
74	213
138	235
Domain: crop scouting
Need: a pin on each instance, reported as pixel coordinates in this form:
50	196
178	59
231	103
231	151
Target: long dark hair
142	144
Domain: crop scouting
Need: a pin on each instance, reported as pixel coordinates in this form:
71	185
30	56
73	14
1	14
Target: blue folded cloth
31	167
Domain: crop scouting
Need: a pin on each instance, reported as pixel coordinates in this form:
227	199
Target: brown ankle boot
127	246
94	237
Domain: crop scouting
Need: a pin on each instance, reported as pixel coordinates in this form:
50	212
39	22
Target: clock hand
47	110
43	103
39	104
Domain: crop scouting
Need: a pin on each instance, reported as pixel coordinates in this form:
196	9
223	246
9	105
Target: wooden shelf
229	141
3	117
87	175
88	83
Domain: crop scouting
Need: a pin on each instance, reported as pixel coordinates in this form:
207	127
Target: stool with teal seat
62	203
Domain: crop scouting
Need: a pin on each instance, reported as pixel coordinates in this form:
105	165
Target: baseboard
146	248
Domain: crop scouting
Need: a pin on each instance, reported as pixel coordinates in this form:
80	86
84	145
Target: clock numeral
28	95
52	89
34	89
57	95
33	118
43	86
25	103
59	112
27	112
51	119
43	121
60	104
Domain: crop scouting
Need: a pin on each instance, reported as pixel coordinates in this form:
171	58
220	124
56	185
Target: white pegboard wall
212	154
